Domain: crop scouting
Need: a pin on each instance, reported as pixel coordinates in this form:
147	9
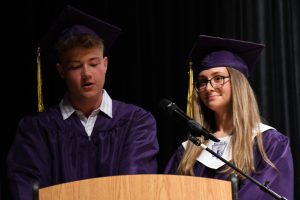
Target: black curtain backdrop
148	61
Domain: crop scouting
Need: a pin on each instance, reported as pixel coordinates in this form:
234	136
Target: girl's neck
224	125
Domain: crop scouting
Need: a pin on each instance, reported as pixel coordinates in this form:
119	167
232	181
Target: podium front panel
140	187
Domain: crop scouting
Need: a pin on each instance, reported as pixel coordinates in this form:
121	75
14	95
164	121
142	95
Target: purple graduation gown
278	151
51	150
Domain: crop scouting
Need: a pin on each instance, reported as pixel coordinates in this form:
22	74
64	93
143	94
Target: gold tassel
189	109
39	82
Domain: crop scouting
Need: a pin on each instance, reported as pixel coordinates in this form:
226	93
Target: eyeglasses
216	82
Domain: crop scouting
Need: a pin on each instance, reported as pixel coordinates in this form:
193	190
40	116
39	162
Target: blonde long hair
246	117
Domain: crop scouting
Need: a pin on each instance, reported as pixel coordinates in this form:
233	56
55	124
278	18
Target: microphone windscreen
168	106
165	103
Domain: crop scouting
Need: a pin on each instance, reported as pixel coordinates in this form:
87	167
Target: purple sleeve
27	161
174	161
281	180
141	146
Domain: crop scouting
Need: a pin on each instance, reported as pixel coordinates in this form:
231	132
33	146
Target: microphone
195	128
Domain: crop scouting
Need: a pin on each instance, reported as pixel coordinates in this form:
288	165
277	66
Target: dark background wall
148	61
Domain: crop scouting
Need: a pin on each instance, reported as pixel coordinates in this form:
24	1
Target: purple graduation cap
71	22
209	52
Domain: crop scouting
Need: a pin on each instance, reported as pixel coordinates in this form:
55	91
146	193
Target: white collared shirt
222	148
106	107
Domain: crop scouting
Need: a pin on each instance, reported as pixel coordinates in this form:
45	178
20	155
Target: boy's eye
94	64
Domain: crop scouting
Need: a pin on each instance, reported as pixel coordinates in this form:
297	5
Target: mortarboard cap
71	22
209	52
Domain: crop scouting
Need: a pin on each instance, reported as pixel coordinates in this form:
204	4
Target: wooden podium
140	187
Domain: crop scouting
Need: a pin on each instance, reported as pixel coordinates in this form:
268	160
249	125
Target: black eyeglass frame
212	81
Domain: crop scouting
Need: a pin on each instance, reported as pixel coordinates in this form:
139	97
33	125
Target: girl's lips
212	97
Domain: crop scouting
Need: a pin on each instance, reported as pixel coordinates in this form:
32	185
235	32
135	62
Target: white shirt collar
224	146
67	109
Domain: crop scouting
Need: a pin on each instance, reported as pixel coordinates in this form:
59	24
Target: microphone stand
263	187
35	191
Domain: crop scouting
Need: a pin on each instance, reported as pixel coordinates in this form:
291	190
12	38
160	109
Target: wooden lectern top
140	187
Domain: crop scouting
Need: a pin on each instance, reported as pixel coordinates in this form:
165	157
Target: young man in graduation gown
87	134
